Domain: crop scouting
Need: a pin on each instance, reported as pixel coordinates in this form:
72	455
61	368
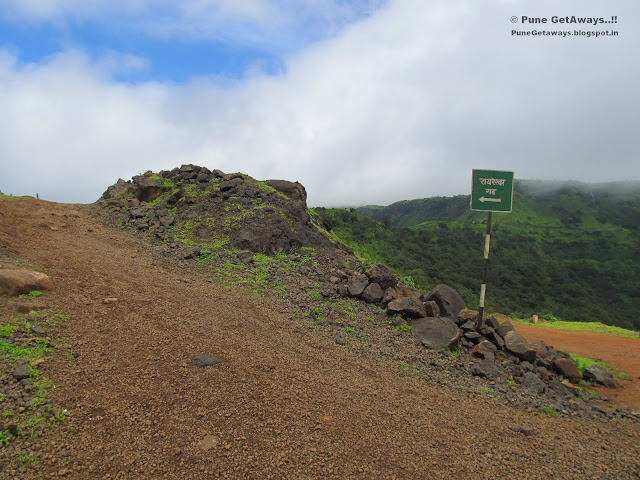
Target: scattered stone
22	371
245	256
467	315
21	281
209	442
468	326
486	369
192	252
408	301
527	432
37	330
204	360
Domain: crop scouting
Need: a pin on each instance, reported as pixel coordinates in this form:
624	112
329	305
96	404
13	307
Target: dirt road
282	404
622	354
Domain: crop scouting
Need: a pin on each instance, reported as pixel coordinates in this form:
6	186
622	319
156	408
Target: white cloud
400	105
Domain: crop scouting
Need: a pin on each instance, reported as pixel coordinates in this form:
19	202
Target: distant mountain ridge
407	213
568	249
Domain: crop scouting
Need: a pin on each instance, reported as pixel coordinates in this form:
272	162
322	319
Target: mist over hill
568	249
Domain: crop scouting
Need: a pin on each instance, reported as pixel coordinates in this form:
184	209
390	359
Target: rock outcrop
207	210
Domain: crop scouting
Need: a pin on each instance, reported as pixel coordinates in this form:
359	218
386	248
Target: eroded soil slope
284	402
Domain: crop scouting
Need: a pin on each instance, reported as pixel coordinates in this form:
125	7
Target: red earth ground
623	354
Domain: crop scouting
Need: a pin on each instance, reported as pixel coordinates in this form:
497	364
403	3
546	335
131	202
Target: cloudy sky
362	101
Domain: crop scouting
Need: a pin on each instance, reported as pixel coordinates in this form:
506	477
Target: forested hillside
569	250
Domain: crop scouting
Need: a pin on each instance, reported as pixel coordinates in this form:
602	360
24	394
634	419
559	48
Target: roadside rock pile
206	210
440	321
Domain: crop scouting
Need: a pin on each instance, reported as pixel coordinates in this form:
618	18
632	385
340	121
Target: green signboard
491	190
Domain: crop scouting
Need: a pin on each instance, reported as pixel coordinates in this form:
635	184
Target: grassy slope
572	252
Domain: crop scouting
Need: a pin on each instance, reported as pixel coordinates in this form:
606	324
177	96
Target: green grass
36	420
583	363
32	294
595	327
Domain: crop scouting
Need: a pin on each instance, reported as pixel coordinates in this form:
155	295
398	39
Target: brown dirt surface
622	354
284	403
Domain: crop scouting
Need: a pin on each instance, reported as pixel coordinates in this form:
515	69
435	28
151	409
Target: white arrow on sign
483	199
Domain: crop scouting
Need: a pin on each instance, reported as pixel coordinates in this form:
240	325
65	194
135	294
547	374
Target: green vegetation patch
19	346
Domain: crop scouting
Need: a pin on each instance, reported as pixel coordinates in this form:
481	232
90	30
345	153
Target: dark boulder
504	328
433	310
532	383
357	285
516	344
381	275
448	299
484	350
149	188
567	368
373	293
408	302
436	333
599	375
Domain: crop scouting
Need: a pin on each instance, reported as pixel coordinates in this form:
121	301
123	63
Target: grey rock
381	275
436	333
357	285
245	256
407	301
516	344
532	383
37	330
492	322
504	328
373	293
166	221
204	360
484	350
468	326
21	371
230	184
432	308
486	368
409	306
293	190
599	375
567	368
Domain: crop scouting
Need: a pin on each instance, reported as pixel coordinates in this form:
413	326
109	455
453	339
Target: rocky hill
211	210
